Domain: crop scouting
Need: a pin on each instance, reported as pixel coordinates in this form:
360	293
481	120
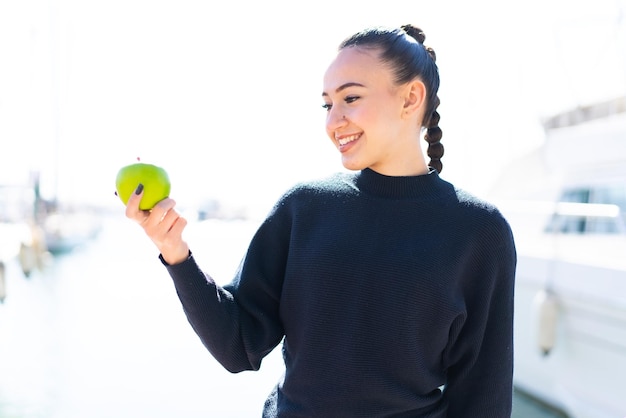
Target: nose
335	120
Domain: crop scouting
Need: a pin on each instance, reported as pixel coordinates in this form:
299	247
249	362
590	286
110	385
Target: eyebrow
344	86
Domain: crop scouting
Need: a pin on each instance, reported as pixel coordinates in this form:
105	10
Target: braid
433	137
414	32
418	34
431	121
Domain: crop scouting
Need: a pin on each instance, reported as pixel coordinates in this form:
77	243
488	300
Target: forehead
355	65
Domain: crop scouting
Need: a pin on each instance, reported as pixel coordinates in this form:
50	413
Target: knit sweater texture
392	297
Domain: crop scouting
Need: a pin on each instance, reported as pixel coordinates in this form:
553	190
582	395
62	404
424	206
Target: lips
347	139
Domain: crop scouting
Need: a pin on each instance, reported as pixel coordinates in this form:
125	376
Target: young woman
391	290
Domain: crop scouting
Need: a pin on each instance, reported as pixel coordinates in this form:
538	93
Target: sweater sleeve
238	323
480	357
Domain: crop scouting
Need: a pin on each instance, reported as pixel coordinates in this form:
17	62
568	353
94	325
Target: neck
408	167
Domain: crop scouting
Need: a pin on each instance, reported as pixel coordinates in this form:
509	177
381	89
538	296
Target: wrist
175	258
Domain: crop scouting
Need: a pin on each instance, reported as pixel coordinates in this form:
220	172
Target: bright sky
227	97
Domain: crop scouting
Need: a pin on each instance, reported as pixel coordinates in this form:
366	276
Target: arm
480	358
238	338
239	323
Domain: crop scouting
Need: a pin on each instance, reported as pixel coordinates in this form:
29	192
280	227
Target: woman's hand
163	225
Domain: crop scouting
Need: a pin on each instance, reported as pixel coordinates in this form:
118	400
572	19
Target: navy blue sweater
394	296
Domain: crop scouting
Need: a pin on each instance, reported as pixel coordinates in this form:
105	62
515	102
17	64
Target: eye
327	106
351	99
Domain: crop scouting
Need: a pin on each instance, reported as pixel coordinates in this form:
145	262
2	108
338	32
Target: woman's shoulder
307	195
480	210
333	184
475	203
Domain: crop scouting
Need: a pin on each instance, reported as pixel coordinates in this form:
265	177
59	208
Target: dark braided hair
404	50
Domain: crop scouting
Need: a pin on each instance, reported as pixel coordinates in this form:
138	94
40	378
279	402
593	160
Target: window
569	223
590	210
609	195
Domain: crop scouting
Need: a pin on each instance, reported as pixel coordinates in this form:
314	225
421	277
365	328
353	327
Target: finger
170	219
167	232
132	206
171	244
158	212
177	227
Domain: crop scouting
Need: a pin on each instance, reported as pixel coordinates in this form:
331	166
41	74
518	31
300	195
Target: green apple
156	183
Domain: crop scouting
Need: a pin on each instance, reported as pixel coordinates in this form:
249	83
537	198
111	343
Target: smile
348	139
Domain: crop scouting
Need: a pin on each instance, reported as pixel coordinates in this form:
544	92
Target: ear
414	98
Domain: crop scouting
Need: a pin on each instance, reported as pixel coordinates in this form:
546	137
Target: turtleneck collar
402	187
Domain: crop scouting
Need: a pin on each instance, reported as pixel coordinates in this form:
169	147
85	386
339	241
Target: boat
570	232
21	239
67	229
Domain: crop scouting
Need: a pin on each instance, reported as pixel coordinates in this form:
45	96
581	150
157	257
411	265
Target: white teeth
348	139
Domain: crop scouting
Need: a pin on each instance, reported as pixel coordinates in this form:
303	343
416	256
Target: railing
557	213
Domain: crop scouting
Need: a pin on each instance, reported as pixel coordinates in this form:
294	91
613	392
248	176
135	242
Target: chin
353	165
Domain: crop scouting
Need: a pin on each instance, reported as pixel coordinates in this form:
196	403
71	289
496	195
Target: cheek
383	119
359	117
329	130
371	121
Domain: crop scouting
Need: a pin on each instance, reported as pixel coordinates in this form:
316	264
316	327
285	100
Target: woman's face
367	113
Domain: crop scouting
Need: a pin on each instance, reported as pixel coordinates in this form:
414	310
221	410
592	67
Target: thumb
132	206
